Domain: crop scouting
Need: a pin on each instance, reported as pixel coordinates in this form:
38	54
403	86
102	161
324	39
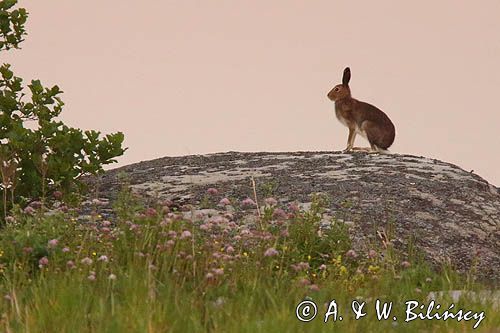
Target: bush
38	153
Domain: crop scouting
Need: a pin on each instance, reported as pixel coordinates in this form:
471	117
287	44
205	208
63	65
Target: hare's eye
336	89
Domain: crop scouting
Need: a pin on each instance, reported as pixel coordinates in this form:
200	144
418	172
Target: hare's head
341	90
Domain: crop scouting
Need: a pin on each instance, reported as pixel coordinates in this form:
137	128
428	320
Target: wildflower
87	261
52	243
418	290
29	210
247	202
212	191
279	214
36	204
271	252
372	254
103	258
112	277
322	267
224	202
91	277
43	262
245	232
351	254
106	223
304	282
229	249
165	222
151	212
204	226
428	280
301	266
405	264
185	234
10	219
27	249
70	264
209	276
313	287
57	195
172	234
218	271
271	201
293	207
65	249
170	243
219	302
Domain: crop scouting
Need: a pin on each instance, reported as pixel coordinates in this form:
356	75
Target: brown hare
361	118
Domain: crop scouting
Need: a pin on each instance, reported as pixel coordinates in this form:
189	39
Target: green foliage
39	153
11	24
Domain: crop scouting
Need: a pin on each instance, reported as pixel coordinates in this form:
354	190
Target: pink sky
190	77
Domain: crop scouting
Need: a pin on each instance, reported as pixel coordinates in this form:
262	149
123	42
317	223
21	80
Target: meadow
230	267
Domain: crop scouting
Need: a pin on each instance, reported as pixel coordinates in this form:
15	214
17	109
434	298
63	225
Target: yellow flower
309	257
245	254
94	254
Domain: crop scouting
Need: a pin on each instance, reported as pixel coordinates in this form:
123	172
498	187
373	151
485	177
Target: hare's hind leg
373	134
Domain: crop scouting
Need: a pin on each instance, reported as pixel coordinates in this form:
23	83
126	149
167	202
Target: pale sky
193	77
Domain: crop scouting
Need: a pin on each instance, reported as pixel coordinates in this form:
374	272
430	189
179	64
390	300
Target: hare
361	118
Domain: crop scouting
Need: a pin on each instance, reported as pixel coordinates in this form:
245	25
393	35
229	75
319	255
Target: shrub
38	153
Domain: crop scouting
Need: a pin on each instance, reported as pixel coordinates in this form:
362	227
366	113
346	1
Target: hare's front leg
350	140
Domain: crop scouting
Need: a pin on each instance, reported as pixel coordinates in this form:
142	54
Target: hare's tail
383	151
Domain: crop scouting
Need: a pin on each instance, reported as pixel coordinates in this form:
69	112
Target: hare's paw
362	149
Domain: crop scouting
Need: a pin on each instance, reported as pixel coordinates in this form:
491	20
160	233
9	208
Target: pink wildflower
43	262
351	254
87	261
103	258
271	201
224	202
212	191
248	202
29	210
271	252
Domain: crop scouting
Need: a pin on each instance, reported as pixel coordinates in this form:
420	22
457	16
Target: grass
155	269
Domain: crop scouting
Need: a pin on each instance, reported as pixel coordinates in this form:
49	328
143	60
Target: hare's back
372	113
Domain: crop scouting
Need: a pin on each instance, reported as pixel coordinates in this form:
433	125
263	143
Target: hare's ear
346	77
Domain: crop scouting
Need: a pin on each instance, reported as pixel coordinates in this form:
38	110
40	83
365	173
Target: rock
450	215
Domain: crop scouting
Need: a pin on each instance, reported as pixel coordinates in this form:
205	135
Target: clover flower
271	252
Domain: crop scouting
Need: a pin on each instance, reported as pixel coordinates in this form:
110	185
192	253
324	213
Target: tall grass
157	269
